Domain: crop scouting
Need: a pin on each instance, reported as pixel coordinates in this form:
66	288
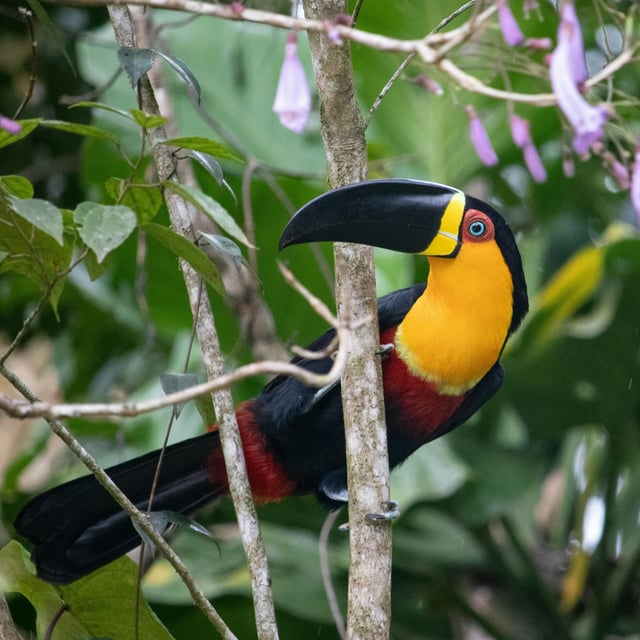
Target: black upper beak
402	215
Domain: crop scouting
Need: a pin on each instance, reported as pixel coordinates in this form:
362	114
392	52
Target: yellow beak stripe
447	239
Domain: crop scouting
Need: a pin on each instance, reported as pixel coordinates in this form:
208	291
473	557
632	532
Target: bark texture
365	428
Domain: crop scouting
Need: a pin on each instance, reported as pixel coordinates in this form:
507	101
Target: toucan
447	337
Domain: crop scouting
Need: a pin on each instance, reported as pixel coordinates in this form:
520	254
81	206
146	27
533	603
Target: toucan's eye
477	228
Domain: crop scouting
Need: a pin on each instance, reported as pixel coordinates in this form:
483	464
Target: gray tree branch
369	601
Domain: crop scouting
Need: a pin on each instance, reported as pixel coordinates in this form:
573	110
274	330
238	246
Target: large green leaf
103	604
103	227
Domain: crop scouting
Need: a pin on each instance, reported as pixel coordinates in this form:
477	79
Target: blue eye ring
477	228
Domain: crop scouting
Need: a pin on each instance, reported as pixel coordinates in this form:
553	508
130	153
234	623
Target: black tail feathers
78	527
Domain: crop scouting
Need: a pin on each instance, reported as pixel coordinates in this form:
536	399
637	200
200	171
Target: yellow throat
455	331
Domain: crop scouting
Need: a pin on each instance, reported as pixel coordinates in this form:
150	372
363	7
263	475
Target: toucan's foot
344	527
385	349
390	511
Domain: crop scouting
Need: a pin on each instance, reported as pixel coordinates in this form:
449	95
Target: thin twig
325	570
33	73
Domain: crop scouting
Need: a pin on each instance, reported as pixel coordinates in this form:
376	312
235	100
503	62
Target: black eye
477	228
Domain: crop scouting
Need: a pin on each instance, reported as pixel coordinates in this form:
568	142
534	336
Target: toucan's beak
402	215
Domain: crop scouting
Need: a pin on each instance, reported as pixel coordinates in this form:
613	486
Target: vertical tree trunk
365	429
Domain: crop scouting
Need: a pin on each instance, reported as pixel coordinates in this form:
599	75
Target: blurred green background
523	524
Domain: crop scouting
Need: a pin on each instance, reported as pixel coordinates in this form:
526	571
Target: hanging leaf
228	248
104	227
174	382
186	250
209	163
185	73
136	62
210	207
204	145
41	214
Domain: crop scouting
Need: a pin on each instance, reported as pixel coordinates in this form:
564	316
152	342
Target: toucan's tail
78	527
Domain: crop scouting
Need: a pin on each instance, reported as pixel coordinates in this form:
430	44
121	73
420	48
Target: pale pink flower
480	139
538	43
9	125
520	130
635	183
508	24
292	103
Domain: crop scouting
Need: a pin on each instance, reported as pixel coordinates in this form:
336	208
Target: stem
180	216
362	400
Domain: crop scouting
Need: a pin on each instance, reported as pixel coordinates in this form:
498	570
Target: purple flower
521	134
617	169
480	139
566	72
534	163
571	32
10	126
520	130
292	103
635	183
510	29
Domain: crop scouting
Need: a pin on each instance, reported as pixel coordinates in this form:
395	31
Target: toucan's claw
385	349
390	511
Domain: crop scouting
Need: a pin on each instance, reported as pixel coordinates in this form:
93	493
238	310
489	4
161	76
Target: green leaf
7	138
146	120
104	107
17	575
102	604
186	250
136	62
86	130
204	145
185	73
41	214
173	382
228	248
104	227
33	254
16	186
210	207
144	199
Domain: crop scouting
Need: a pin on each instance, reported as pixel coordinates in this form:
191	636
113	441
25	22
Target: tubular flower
292	103
480	139
567	71
521	134
635	183
534	163
9	125
510	29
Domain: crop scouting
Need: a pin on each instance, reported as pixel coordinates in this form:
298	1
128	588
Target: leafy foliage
522	523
